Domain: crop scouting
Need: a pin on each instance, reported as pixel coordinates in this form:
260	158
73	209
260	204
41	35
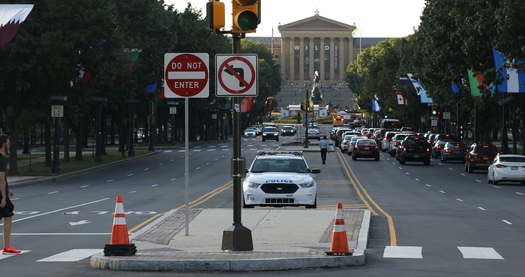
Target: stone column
283	58
342	68
311	57
322	60
301	59
292	61
332	59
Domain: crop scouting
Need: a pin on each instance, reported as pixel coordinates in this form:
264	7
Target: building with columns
315	44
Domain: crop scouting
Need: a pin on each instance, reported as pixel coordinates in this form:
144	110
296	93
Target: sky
373	18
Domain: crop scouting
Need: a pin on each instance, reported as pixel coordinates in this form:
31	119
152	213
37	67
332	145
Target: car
339	135
396	141
314	133
345	144
270	132
250	132
288	130
479	156
406	129
446	137
413	148
437	148
453	151
280	179
385	143
352	143
365	148
507	168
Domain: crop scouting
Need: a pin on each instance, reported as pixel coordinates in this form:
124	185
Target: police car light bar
295	153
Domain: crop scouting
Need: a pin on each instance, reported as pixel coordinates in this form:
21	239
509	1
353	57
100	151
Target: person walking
6	206
323	144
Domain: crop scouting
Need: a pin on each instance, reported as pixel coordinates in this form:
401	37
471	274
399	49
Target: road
431	218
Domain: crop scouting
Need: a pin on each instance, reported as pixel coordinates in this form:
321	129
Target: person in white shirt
323	144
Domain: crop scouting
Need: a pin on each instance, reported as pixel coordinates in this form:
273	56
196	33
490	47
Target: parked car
507	168
454	151
479	156
394	144
413	149
365	148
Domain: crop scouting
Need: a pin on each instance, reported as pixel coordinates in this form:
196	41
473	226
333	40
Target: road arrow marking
81	222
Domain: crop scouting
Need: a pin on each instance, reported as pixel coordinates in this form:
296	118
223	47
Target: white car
280	179
505	168
345	144
314	133
249	132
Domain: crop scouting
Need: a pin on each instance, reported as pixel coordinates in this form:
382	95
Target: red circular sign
186	75
247	85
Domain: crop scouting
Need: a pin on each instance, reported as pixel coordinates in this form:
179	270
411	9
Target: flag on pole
375	104
420	90
476	81
400	99
151	88
11	17
454	87
513	80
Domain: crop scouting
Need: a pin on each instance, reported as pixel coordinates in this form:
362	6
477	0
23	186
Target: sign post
186	76
236	77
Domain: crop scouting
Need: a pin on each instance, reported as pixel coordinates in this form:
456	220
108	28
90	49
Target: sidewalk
284	239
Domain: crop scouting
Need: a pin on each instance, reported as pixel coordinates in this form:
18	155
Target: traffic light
246	15
434	110
215	15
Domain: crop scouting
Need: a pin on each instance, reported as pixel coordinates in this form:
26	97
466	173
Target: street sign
57	111
173	110
236	75
434	123
186	75
446	115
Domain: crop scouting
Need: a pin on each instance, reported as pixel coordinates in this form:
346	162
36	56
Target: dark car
479	156
446	137
454	151
437	148
413	149
270	133
339	135
288	131
365	148
395	142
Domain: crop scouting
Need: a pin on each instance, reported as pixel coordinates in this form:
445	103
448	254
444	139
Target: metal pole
186	166
306	106
56	151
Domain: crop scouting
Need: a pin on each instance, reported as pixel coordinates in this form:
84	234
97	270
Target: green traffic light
434	112
247	20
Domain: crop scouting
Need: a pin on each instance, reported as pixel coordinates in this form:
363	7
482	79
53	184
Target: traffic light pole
237	237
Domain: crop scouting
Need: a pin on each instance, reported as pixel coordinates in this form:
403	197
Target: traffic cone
339	245
119	244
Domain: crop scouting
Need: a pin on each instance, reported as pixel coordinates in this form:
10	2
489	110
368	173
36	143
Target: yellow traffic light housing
215	15
246	15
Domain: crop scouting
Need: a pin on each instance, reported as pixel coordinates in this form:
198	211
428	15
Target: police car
280	179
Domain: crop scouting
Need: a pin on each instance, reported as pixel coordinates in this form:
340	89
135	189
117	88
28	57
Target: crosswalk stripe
403	252
484	253
73	255
7	256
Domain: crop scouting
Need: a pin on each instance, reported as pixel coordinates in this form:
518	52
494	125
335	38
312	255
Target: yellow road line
390	220
356	188
201	199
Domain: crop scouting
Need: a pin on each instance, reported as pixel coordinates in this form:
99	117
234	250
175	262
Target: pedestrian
323	144
6	206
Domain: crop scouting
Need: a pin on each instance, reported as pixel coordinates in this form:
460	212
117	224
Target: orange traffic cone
119	244
339	245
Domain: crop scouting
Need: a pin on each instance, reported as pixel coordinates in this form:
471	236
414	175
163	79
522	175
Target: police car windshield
270	129
279	165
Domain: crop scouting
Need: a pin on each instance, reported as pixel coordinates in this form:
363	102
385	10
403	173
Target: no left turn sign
236	75
186	75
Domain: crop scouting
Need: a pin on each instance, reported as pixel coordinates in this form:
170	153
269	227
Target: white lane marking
173	179
507	222
59	210
450	168
442	191
403	252
417	180
60	234
73	255
463	174
198	168
154	185
253	149
478	181
109	180
146	169
197	150
484	253
224	146
393	163
83	187
208	163
14	199
250	145
407	173
181	151
401	168
216	159
427	185
168	151
53	192
172	160
225	149
481	208
81	222
26	212
131	174
72	213
459	199
211	150
520	193
7	256
133	191
496	187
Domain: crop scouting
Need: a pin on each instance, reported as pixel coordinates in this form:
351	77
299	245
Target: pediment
316	23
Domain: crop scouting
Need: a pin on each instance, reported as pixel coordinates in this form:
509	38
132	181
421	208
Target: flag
375	104
400	99
246	104
11	16
420	90
512	79
151	88
476	81
454	87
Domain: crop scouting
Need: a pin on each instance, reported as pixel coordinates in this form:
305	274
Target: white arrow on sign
82	222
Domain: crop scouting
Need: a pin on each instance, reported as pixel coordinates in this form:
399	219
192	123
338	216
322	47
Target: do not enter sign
186	75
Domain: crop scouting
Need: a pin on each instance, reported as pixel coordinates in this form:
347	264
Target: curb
198	265
78	172
362	239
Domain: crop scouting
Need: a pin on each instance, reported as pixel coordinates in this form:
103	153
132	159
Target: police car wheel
314	206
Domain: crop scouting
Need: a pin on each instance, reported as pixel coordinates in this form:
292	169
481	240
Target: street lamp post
131	106
99	140
57	112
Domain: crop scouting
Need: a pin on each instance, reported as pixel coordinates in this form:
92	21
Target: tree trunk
47	142
67	138
27	142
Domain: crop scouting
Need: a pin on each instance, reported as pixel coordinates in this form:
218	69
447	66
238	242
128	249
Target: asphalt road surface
430	220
